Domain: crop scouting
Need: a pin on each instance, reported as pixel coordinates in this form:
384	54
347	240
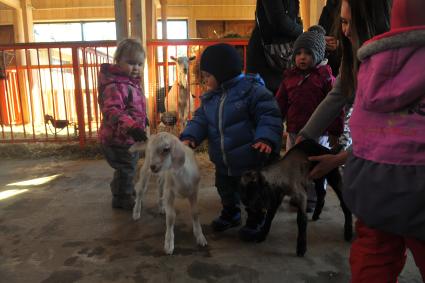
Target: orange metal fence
48	91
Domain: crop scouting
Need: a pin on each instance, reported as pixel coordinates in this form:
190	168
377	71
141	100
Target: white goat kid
178	98
179	176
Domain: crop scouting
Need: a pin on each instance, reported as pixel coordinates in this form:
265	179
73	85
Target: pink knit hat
407	13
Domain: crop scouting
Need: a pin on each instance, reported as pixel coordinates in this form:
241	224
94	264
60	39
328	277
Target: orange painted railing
48	91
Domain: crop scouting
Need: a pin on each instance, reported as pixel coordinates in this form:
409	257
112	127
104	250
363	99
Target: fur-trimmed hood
395	39
392	69
388	120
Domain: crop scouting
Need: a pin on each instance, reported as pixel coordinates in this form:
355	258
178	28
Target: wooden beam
27	20
136	19
150	19
55	4
305	13
11	3
164	18
18	26
121	19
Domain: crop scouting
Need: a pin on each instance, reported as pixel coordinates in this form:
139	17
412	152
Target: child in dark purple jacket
123	107
304	87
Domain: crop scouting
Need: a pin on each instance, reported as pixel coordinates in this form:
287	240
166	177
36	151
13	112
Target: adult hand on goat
137	134
326	163
299	139
262	147
189	143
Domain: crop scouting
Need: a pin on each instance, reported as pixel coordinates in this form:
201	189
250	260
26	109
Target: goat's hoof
161	210
315	217
168	248
136	215
201	241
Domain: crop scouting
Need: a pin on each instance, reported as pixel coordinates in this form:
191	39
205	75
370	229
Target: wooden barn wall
192	10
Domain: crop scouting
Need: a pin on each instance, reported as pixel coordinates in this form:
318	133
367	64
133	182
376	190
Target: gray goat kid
178	98
264	190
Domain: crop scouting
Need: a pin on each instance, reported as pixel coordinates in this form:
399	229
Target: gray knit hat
314	41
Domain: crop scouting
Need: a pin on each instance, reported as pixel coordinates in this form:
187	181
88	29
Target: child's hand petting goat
178	171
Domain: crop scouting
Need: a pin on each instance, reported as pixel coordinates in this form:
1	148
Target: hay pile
70	150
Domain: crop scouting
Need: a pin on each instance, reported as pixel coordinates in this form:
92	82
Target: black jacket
327	21
279	22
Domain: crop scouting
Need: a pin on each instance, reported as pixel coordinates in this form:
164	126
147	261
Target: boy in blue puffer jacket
242	121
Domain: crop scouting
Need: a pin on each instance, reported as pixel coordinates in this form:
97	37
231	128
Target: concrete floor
65	231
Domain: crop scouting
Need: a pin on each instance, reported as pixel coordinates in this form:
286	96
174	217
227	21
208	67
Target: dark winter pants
125	164
378	257
227	187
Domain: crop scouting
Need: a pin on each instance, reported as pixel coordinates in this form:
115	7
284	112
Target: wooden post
164	37
164	18
121	19
79	103
18	27
150	19
136	19
27	20
305	13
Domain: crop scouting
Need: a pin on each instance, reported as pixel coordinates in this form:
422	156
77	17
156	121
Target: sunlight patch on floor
36	181
11	193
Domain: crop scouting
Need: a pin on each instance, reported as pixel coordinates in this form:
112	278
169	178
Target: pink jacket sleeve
115	107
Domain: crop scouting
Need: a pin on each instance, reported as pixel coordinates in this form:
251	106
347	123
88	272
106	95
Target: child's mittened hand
137	134
189	143
262	147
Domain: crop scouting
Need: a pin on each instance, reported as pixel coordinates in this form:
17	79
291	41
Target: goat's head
48	118
165	152
182	65
252	187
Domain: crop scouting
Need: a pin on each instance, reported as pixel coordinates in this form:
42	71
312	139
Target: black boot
252	229
125	202
229	217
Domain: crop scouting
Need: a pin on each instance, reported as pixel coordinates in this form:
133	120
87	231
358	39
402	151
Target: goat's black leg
271	212
335	181
319	186
302	232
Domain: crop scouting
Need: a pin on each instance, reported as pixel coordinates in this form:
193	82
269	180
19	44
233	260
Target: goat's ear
177	154
191	58
173	58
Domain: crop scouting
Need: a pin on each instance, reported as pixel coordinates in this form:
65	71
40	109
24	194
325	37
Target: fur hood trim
393	40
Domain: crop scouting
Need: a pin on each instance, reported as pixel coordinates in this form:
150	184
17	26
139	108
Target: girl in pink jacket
123	107
385	176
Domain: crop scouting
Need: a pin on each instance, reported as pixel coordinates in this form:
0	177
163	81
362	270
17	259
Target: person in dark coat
329	20
279	23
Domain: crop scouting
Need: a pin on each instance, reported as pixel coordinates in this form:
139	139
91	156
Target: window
83	31
176	29
57	32
99	31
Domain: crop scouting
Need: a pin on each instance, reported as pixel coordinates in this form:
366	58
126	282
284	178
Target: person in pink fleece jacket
123	107
385	175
